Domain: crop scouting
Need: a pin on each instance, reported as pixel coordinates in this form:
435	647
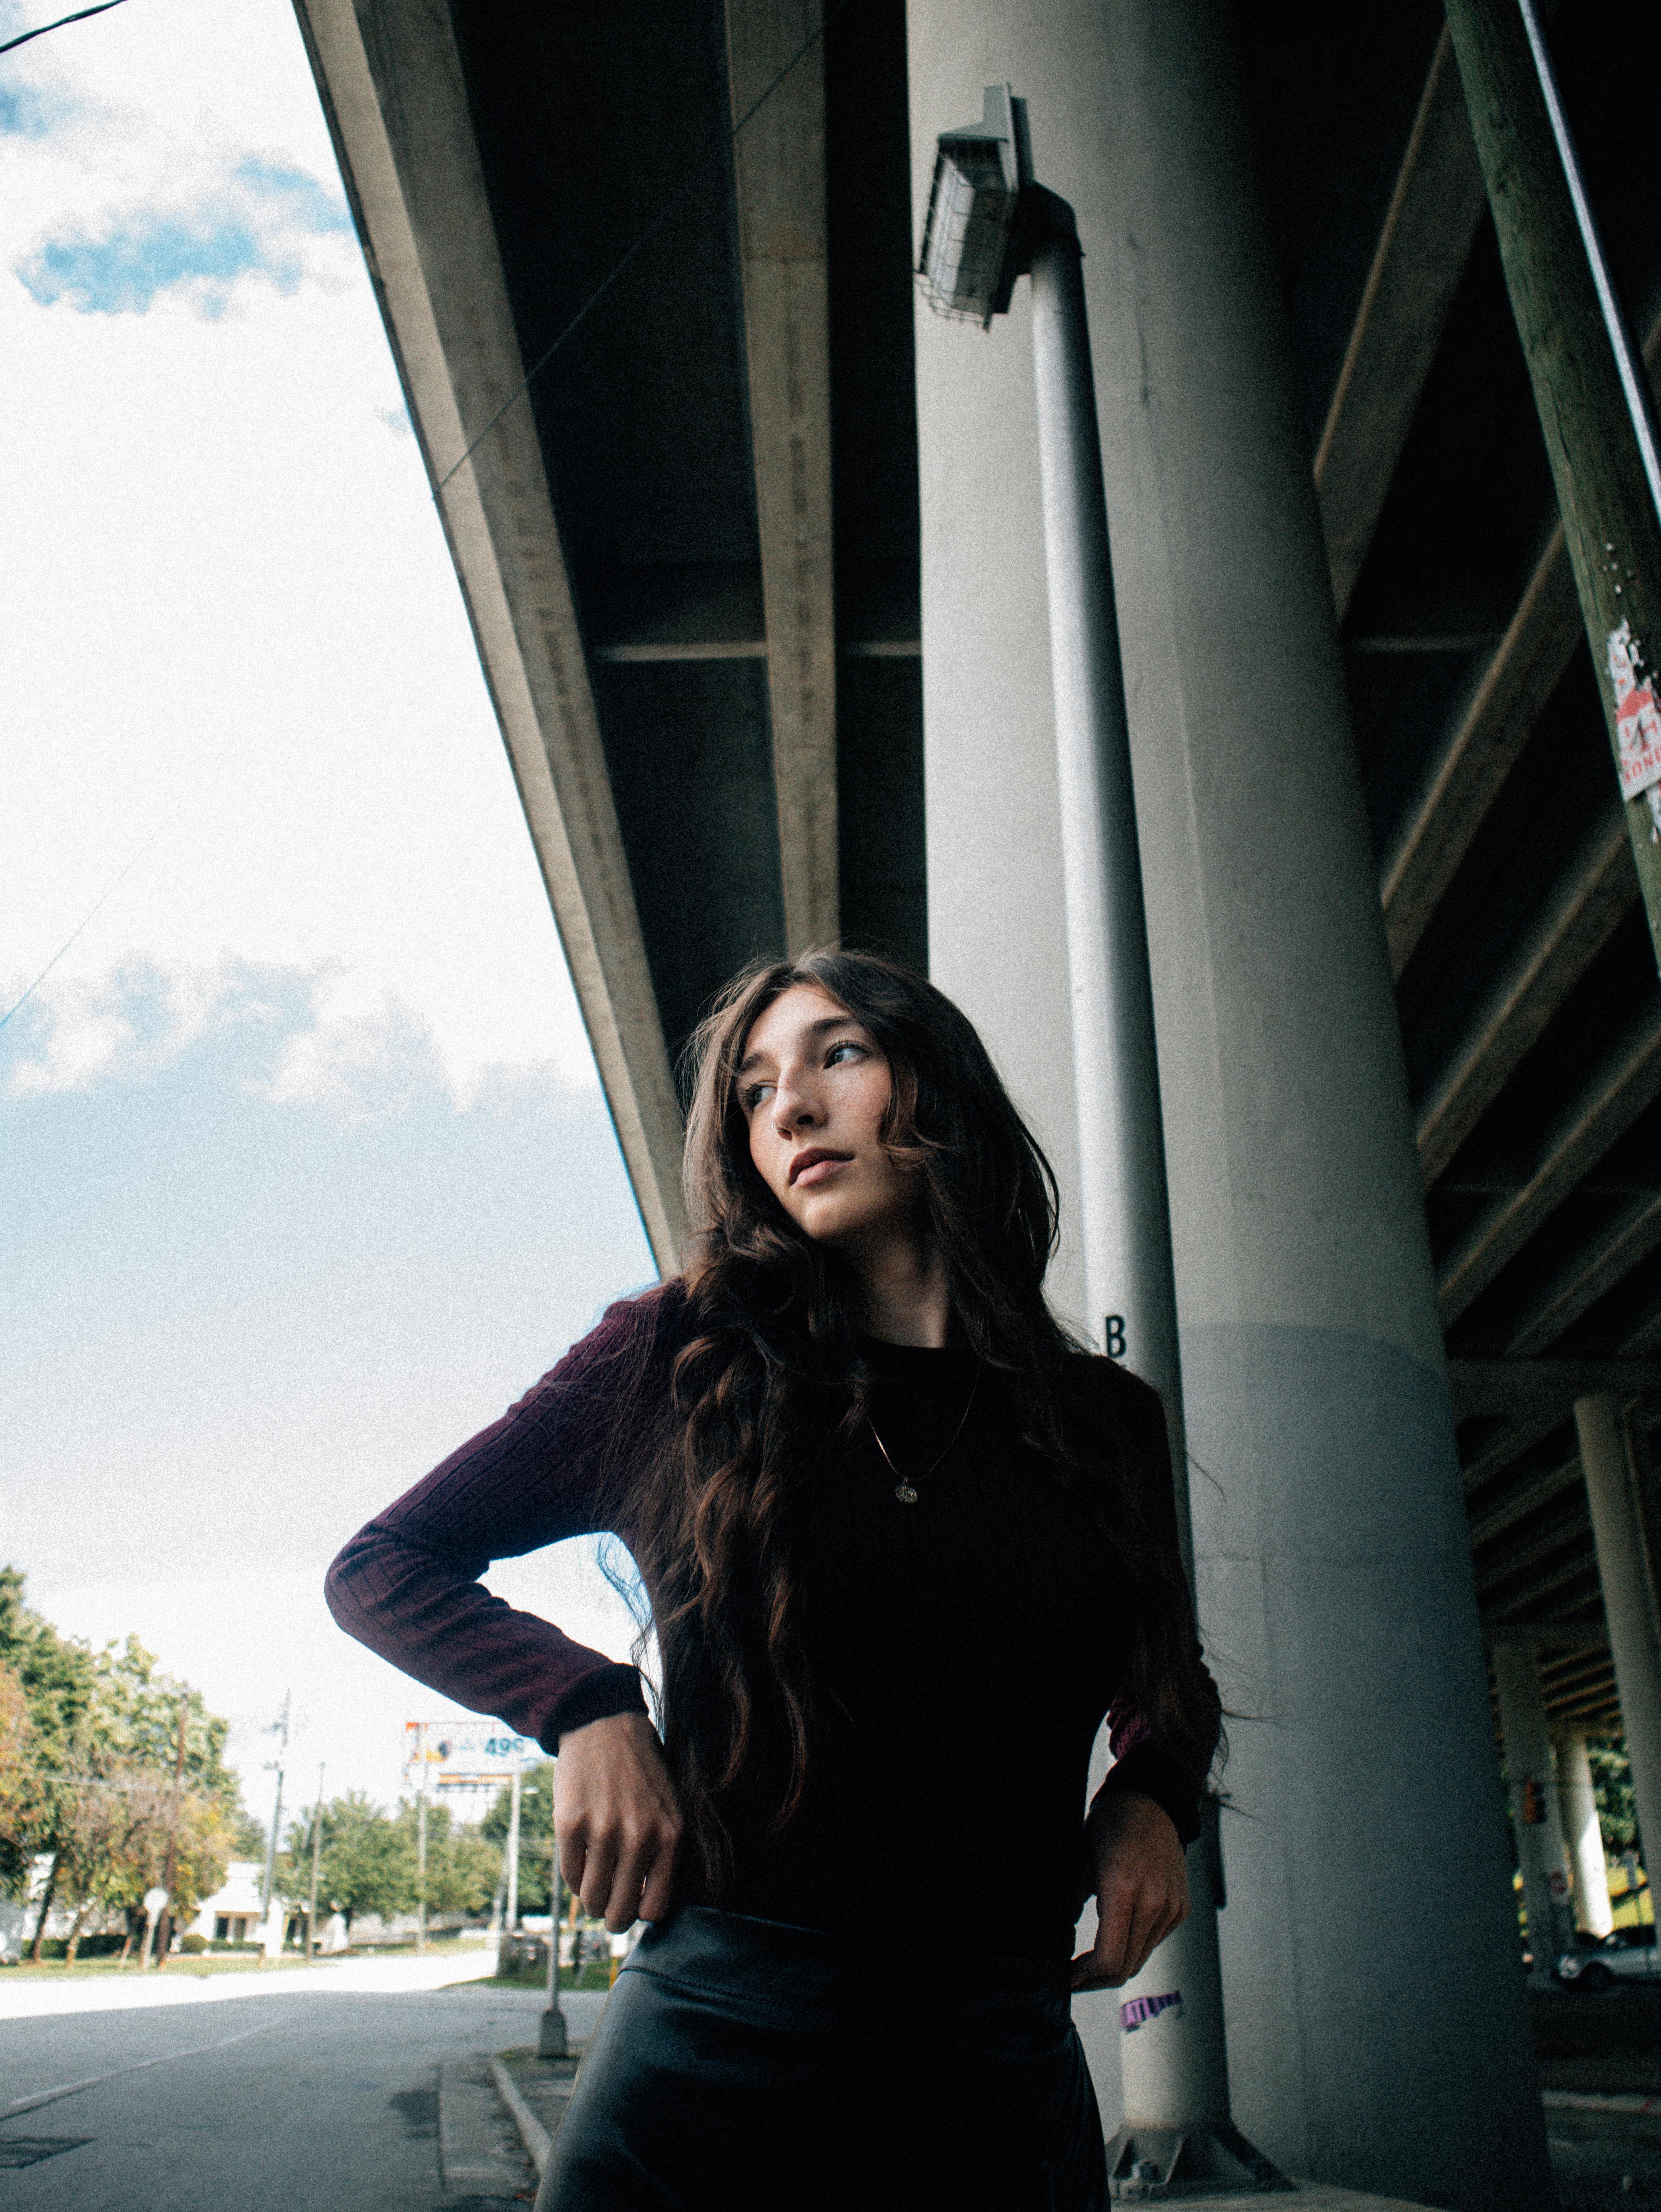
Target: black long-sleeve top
963	1650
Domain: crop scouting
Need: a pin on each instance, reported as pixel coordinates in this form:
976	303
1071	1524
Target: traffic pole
1590	388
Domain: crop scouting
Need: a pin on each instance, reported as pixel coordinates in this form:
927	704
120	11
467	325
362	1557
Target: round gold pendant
905	1493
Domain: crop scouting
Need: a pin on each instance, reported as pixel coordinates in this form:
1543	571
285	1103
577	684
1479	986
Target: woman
905	1547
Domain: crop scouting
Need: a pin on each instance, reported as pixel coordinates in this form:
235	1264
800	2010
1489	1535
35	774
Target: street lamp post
989	222
515	1787
553	2041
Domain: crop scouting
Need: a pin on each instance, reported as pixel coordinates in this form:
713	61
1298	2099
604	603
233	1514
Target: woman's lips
818	1171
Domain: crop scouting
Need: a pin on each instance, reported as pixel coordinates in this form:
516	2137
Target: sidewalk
536	2092
34	1998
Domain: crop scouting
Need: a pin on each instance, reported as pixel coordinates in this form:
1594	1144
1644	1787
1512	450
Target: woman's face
813	1086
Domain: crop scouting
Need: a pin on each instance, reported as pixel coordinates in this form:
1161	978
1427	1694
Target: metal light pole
512	1853
552	2041
989	222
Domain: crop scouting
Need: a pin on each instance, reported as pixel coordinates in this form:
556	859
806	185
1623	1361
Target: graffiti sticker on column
1141	2010
1637	724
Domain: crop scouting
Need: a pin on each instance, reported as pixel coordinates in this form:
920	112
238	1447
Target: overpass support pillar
1630	1606
1579	1801
1376	2021
1535	1819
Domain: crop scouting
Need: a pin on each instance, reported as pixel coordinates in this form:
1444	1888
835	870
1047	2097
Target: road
297	2091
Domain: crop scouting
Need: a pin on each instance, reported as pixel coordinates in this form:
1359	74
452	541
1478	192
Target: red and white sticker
1637	723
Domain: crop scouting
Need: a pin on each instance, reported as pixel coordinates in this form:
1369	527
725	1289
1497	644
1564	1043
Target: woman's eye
837	1050
754	1094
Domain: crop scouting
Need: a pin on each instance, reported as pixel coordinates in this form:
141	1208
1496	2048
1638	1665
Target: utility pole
1590	388
316	1849
164	1941
279	1729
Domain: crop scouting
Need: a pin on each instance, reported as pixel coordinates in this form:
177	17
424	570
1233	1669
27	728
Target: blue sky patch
309	206
121	273
150	252
28	112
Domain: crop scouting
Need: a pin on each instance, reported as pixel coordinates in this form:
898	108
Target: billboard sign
464	1755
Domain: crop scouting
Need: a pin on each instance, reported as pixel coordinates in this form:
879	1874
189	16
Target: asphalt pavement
281	2093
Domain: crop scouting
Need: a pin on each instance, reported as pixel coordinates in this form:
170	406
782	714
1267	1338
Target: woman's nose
794	1106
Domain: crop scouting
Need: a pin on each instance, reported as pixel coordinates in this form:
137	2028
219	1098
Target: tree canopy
90	1771
367	1861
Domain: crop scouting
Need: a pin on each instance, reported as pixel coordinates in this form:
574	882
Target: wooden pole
1593	403
168	1878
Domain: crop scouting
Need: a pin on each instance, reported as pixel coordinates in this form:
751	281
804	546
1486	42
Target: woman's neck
906	1297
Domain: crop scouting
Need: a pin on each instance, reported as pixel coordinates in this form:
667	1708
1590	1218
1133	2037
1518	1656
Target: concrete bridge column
1535	1819
1579	1803
1377	2035
1629	1604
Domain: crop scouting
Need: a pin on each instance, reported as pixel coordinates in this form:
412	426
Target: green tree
463	1865
55	1678
536	1833
367	1860
1611	1786
89	1771
140	1816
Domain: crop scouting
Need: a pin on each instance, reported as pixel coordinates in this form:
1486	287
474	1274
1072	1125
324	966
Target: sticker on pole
1637	724
1140	2010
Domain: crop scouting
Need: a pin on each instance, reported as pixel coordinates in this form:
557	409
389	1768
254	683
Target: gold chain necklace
904	1488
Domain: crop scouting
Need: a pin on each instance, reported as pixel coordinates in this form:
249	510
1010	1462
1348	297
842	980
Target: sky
305	1172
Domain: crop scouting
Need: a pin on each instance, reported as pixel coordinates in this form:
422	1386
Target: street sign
155	1900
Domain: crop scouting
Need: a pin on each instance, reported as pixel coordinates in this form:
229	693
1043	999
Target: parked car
1628	1955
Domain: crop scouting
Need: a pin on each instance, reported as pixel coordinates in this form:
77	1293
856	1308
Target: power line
79	16
149	846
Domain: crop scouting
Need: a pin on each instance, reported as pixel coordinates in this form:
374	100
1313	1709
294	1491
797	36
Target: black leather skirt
739	2064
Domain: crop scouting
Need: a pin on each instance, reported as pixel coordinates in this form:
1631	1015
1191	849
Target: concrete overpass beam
775	56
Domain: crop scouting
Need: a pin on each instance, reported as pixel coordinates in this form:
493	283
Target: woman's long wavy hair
770	1374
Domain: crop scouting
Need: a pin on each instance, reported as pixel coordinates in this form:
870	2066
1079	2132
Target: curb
531	2133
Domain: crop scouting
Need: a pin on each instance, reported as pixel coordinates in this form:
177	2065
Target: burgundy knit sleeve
1140	1763
408	1584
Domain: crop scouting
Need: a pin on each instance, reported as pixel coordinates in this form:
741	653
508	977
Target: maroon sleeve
1140	1763
408	1584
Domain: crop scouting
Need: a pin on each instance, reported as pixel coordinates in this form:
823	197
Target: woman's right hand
617	1821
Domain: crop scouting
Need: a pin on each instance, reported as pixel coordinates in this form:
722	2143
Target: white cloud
279	677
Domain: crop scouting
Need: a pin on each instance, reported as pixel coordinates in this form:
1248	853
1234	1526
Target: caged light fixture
971	241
